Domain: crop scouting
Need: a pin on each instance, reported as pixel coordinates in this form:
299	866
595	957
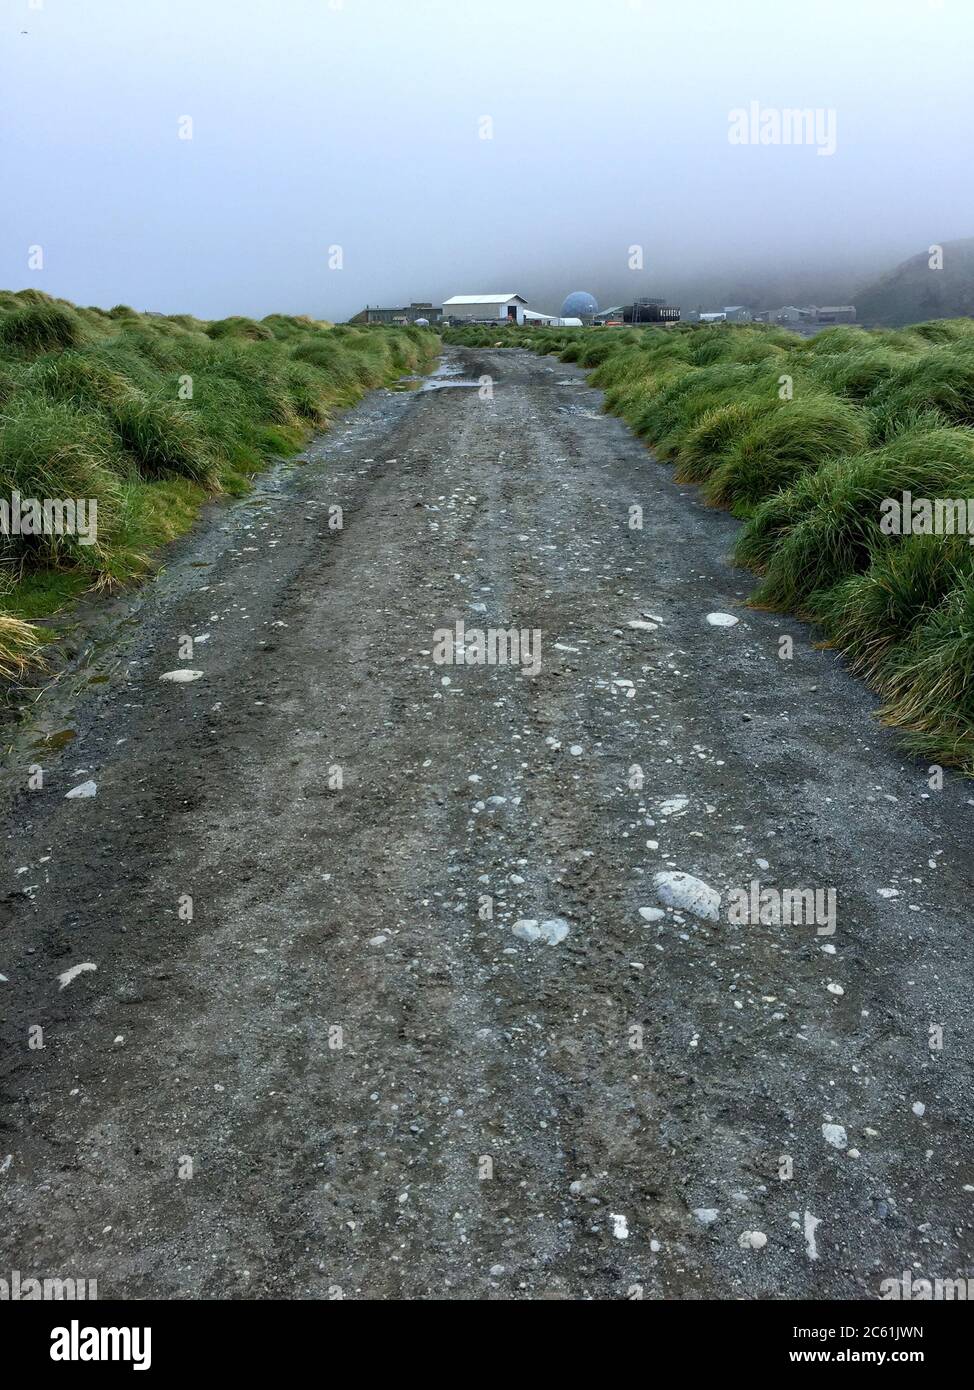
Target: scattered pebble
689	894
551	932
74	971
84	789
620	1226
811	1225
835	1135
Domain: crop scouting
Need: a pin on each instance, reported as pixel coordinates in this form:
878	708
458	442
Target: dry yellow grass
19	646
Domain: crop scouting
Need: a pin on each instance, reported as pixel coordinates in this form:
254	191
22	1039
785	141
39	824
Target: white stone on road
811	1224
688	893
722	620
551	932
620	1226
84	789
181	677
74	971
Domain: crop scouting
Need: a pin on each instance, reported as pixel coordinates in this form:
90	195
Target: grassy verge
148	417
804	439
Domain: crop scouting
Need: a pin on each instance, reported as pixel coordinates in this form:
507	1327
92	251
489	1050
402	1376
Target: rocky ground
432	1025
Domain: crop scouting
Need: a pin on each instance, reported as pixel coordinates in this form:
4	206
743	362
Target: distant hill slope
913	292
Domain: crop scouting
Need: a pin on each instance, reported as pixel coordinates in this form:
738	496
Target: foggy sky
356	123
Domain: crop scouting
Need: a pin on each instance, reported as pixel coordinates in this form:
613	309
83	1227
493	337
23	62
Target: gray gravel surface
347	1073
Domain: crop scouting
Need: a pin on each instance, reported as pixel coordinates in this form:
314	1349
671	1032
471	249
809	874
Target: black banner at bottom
177	1337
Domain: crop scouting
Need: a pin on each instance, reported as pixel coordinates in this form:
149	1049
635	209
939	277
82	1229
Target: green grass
804	438
39	328
797	437
149	417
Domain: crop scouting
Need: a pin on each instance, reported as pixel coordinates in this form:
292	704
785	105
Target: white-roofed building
485	308
536	320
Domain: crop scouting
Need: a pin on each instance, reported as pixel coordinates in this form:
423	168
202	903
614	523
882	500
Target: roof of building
835	308
482	299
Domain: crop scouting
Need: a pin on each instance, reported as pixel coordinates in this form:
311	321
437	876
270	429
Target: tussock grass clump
707	442
940	379
868	614
620	367
834	525
594	353
83	380
856	374
943	330
147	416
798	437
52	451
928	684
886	422
331	359
240	327
40	328
163	437
307	393
832	340
681	398
29	296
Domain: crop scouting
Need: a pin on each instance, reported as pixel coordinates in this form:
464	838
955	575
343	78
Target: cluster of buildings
789	314
460	309
580	308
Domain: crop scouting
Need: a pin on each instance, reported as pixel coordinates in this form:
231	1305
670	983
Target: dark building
409	314
650	311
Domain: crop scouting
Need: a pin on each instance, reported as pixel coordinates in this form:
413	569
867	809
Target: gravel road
341	1072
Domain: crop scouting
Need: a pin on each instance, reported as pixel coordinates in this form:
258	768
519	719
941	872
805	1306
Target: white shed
476	308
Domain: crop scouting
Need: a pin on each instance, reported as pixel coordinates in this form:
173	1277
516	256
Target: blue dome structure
579	305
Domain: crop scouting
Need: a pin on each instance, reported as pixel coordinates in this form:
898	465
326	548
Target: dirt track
486	1123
